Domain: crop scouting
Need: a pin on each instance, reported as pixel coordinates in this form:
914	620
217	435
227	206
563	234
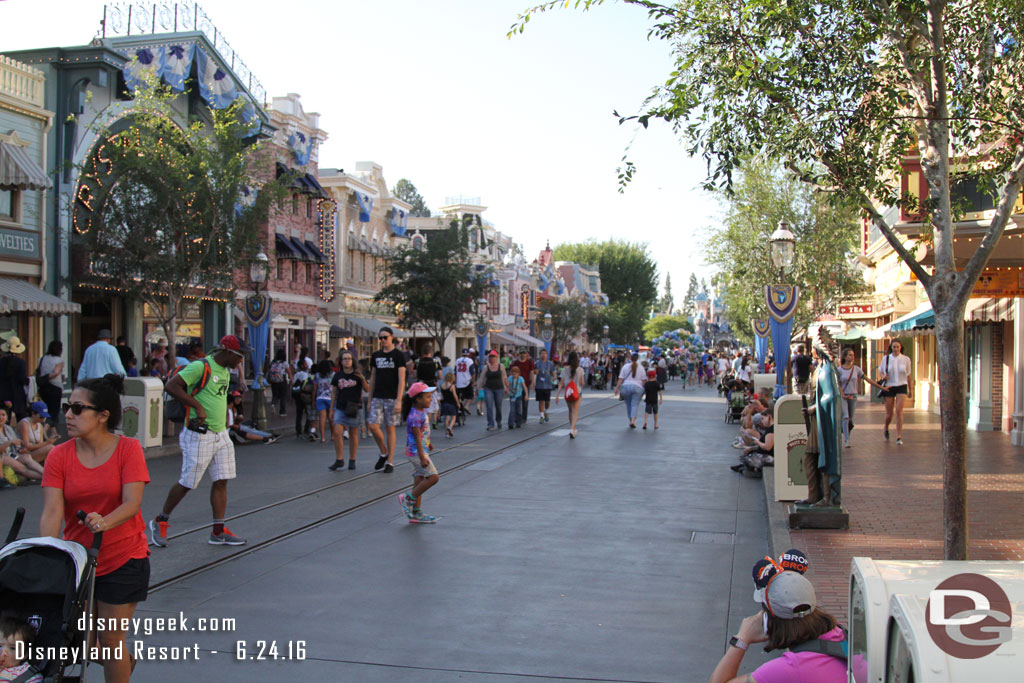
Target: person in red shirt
103	474
527	370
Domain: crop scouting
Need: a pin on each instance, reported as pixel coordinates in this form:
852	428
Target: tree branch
890	235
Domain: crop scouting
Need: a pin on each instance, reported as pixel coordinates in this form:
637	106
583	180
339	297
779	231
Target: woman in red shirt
103	474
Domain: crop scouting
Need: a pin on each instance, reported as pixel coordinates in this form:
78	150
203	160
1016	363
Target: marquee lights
326	211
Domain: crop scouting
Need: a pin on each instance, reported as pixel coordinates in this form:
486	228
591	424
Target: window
295	204
364	268
280	268
9	204
351	264
309	272
309	207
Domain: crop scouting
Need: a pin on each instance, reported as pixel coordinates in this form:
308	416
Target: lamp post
257	313
547	335
783	244
605	339
781	300
481	325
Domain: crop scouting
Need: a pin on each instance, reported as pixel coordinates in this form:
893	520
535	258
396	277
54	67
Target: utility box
142	414
790	442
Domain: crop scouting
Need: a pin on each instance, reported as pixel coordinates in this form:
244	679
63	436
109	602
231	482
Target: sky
434	92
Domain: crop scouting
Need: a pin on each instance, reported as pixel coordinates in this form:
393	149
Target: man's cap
230	342
104	334
419	388
789	595
493	353
522	351
651	374
39	408
387	329
465	352
236	392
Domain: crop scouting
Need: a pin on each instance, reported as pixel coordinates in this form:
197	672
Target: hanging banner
762	330
548	337
782	301
481	329
257	315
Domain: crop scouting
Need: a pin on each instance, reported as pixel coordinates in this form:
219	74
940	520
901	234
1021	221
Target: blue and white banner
146	63
365	206
257	315
782	301
399	221
301	148
177	65
762	330
250	118
216	86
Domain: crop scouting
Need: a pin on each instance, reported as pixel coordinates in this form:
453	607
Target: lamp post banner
762	330
782	301
547	336
257	314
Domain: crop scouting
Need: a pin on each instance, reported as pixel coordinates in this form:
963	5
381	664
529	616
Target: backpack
302	389
276	373
833	648
175	410
572	392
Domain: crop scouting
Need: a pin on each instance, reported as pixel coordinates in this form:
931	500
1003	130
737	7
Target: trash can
790	441
143	410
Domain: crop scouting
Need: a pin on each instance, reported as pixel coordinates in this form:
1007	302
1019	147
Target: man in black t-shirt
801	368
387	384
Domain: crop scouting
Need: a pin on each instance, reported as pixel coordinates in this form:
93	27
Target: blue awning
922	315
283	247
320	257
315	186
301	250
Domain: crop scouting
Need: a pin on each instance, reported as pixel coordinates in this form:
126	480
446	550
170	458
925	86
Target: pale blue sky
433	91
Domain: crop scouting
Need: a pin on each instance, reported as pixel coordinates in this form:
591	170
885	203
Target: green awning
852	334
922	315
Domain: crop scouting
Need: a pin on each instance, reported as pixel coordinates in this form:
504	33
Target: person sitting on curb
241	432
761	453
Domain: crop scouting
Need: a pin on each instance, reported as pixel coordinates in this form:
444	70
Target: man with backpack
202	387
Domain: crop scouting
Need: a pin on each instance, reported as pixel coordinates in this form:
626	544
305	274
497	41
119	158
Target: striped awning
369	327
19	296
18	171
988	310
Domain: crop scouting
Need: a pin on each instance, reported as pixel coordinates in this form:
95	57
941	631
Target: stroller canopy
31	575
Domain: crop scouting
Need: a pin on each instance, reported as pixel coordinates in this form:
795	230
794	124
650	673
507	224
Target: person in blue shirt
101	358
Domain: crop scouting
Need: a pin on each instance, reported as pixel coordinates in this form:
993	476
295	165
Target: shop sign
999	283
892	272
856	309
19	244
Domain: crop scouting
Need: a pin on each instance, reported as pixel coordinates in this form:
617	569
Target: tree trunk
949	329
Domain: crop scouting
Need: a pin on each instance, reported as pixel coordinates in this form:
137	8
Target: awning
283	247
919	317
339	332
368	327
316	252
503	338
301	251
18	171
317	188
988	310
19	296
852	334
528	339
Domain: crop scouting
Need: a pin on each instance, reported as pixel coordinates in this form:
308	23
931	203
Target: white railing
21	81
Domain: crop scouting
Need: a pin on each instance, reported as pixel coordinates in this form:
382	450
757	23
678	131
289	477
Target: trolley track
260	545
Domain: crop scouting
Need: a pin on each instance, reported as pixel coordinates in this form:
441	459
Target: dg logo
968	616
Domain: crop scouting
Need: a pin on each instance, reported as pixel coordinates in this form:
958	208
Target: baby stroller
600	379
735	403
49	582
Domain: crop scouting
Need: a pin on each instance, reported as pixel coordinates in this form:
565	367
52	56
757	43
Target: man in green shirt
202	387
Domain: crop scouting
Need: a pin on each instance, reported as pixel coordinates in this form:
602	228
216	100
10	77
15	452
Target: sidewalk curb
778	524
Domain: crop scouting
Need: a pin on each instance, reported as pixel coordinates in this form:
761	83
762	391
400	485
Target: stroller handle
19	517
97	538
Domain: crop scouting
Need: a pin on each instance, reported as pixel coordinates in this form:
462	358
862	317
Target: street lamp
257	314
605	339
783	244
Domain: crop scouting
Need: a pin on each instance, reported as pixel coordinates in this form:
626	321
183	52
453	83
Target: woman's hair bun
116	382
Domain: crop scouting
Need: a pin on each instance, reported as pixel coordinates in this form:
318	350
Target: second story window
309	207
9	205
295	204
309	272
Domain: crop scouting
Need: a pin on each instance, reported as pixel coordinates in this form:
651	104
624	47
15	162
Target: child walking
417	444
450	404
653	397
516	398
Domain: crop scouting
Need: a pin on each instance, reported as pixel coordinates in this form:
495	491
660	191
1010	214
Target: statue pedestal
814	517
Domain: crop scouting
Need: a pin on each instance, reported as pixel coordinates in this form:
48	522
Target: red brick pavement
894	496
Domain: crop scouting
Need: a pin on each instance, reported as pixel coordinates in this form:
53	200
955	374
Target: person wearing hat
13	374
202	387
101	358
789	618
32	431
653	396
417	449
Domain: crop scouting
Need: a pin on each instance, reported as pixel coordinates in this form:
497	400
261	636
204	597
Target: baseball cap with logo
789	595
230	342
794	560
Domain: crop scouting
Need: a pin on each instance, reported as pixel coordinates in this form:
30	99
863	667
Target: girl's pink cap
419	388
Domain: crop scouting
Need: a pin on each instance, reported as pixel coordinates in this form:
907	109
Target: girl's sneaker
419	518
404	501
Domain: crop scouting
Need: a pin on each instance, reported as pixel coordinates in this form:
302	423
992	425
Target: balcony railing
138	18
21	81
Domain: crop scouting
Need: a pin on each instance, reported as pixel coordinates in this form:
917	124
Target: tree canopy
629	277
826	239
655	327
407	192
568	317
433	287
183	208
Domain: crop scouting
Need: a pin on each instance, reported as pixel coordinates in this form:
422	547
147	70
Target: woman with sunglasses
103	474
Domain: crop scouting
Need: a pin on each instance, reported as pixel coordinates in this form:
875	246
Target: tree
845	92
655	327
433	287
567	317
826	237
407	192
183	208
692	290
667	304
628	276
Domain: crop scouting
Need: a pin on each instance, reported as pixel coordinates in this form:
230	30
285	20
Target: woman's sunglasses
77	408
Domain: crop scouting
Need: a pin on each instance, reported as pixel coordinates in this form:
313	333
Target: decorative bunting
399	221
781	300
301	147
365	202
761	328
177	64
216	86
147	63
